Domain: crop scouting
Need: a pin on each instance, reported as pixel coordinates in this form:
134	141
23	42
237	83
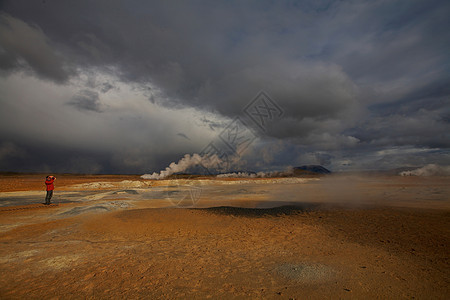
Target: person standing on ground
50	187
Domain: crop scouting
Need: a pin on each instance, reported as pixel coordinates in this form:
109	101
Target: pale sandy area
295	238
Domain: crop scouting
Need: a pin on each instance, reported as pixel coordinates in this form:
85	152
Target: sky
131	86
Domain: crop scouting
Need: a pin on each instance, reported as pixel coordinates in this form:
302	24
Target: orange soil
225	253
188	253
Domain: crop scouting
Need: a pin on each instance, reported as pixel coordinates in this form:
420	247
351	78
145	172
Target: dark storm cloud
213	125
21	42
419	118
346	73
86	100
423	129
106	87
41	158
394	38
10	151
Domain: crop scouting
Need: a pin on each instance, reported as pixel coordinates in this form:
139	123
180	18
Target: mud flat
123	237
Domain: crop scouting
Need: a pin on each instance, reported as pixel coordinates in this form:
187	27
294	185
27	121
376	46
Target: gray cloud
86	100
10	153
21	43
351	77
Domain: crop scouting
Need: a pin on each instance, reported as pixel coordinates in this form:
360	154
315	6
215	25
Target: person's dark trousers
48	197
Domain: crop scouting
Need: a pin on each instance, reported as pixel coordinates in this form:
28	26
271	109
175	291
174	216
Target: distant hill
314	169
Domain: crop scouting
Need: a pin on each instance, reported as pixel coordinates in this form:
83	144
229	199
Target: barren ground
123	237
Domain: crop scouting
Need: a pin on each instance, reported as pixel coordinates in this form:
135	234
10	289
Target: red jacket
49	183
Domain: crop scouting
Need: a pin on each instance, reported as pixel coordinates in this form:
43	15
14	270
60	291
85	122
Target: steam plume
428	170
287	172
185	163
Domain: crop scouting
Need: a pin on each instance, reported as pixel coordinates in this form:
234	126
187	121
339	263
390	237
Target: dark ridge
260	212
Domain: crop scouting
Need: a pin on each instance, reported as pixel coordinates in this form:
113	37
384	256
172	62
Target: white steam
428	170
242	175
287	172
188	161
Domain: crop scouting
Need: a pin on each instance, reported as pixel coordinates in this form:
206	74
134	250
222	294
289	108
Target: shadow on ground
292	209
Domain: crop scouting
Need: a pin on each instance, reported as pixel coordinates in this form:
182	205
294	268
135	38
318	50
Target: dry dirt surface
140	248
35	182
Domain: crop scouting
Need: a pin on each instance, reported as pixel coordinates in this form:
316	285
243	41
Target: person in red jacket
50	187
